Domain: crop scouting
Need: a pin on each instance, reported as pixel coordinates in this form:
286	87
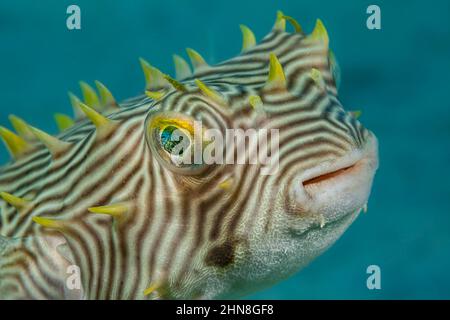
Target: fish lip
368	152
306	194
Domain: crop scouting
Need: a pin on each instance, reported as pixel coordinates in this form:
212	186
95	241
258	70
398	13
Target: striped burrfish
112	208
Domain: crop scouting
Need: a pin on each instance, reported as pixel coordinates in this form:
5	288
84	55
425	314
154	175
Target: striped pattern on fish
100	196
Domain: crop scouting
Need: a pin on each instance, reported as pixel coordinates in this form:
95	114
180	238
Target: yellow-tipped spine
63	121
280	22
21	127
248	38
255	102
17	146
54	145
226	184
49	223
106	98
294	23
196	59
320	34
116	210
177	85
182	69
209	92
154	79
153	288
90	96
155	95
96	118
276	78
75	103
16	202
317	76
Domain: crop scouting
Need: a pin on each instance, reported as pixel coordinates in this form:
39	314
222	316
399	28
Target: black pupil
168	142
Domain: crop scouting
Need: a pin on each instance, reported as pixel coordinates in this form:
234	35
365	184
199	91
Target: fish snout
334	189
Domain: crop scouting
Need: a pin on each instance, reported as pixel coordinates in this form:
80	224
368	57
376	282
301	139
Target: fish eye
174	141
171	141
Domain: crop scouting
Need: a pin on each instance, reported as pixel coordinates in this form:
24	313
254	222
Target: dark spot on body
221	255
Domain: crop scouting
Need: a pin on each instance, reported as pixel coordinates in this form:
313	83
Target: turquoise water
398	76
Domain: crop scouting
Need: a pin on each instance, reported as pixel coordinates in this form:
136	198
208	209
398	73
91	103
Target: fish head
268	165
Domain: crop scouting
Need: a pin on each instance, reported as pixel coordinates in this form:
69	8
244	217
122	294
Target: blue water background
398	76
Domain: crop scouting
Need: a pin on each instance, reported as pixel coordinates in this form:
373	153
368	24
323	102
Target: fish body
107	210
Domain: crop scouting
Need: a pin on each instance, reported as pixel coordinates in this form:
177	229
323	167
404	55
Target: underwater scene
224	149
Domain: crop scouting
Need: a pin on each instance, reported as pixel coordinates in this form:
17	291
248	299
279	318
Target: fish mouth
324	178
334	189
